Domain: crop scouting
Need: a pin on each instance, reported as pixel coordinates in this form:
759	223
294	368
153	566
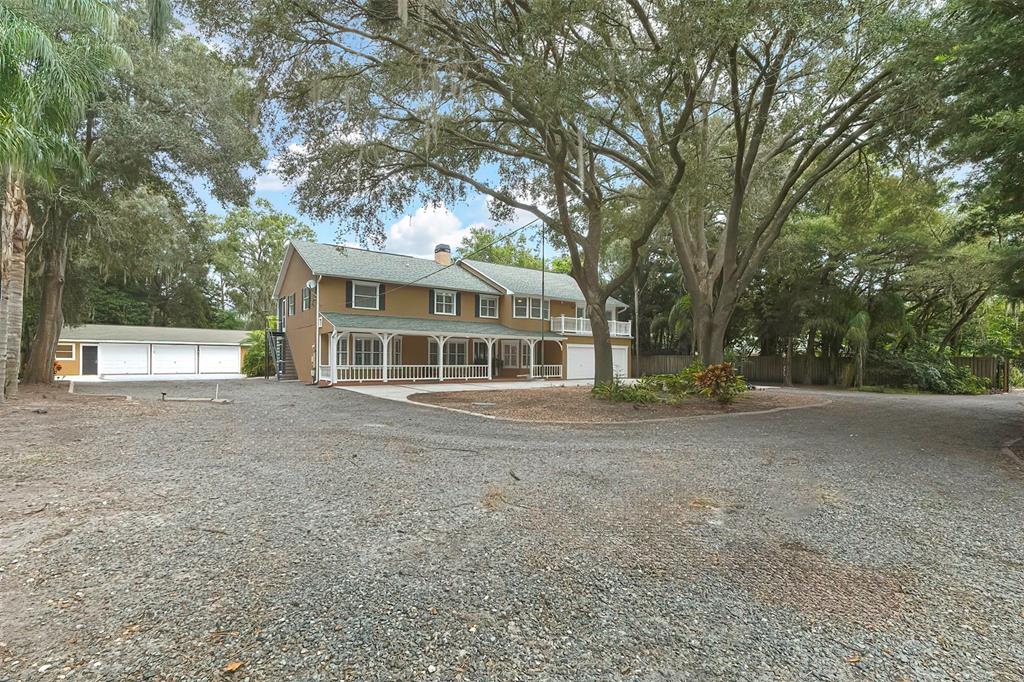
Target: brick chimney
443	254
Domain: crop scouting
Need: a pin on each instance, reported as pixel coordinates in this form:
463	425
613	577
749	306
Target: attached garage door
174	359
219	360
124	358
580	361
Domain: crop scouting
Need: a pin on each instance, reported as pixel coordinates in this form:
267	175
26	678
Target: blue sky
414	232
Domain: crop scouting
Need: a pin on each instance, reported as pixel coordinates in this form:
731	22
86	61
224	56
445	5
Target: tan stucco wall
300	328
413	301
71	368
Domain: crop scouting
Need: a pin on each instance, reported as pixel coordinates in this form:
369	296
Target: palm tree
55	56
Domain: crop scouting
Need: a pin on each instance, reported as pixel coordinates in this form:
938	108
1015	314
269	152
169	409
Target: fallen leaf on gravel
233	666
853	659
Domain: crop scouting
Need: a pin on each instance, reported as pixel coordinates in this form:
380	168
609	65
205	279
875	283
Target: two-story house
353	315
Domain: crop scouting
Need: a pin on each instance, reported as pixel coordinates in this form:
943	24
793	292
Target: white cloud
417	234
271	181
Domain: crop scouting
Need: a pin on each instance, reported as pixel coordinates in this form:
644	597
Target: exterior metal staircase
281	363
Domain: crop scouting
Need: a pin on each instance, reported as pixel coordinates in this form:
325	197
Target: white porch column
385	342
332	348
490	358
533	346
440	356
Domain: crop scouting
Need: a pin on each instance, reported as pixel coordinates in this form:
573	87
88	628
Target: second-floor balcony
581	326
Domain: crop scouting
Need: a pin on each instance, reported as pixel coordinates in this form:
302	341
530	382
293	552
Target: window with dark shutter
380	297
348	293
476	308
430	301
458	303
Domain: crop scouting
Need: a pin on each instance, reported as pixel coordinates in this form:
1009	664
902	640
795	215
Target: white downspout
316	329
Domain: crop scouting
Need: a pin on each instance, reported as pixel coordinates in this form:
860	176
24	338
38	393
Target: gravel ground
315	534
577	405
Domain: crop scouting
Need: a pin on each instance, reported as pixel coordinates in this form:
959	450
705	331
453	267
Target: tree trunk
809	357
39	368
603	369
787	363
17	233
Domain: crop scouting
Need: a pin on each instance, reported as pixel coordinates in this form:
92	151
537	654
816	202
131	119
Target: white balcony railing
546	372
465	371
581	326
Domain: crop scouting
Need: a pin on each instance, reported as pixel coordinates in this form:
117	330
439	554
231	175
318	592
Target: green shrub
618	391
929	372
720	383
677	385
255	354
1016	377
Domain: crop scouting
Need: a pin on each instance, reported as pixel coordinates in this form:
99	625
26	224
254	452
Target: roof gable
527	282
349	262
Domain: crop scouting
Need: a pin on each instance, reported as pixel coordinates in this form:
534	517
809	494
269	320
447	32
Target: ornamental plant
720	383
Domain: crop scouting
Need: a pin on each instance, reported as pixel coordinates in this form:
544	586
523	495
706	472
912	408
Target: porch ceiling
421	326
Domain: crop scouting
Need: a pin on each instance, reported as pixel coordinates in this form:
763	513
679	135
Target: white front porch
360	356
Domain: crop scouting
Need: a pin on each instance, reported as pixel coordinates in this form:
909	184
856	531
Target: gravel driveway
315	534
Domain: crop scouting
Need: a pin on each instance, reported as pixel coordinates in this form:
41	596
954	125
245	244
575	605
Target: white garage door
124	358
219	360
580	361
174	359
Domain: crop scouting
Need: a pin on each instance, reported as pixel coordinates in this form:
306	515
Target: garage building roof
138	334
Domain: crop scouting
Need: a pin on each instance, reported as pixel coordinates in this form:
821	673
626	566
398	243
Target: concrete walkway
401	392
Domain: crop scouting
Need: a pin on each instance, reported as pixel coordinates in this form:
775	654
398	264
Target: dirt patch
577	405
795	575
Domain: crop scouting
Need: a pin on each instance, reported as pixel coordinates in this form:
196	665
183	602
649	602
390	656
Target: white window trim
356	338
342	344
395	351
493	299
515	313
74	351
449	347
446	292
515	354
307	298
543	303
376	295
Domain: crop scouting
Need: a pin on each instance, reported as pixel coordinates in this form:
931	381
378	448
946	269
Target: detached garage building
122	353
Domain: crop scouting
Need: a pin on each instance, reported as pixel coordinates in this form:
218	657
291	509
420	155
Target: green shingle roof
132	333
353	263
448	327
525	281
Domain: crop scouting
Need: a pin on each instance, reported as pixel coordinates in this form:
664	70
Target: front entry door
89	361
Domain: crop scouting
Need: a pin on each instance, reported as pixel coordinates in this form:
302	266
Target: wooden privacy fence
821	371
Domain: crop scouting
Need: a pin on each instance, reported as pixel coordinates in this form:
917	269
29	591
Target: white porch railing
547	372
403	372
412	372
359	373
581	326
465	371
